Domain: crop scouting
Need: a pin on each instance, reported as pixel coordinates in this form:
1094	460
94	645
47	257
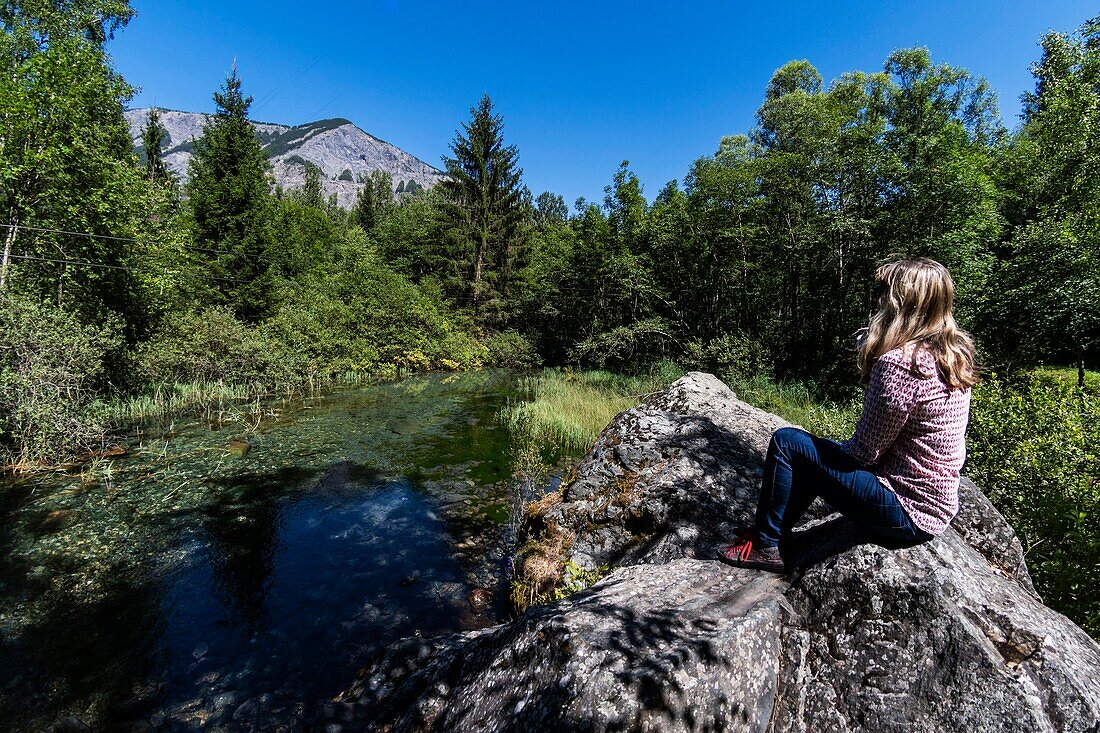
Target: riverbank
67	389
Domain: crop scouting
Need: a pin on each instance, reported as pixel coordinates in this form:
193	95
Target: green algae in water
184	581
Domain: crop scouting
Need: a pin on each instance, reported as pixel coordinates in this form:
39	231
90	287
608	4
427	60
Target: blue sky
581	85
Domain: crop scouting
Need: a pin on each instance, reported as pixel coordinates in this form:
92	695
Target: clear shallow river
186	587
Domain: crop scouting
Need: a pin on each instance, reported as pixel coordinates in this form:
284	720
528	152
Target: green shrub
50	366
511	349
1034	447
732	354
460	349
212	346
365	315
643	341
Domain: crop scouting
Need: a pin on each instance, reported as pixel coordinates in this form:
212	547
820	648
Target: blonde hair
915	298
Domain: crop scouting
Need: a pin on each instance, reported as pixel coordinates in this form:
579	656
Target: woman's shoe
743	553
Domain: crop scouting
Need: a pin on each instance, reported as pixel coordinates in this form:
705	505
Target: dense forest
116	282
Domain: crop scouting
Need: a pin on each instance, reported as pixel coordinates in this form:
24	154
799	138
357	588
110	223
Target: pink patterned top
912	436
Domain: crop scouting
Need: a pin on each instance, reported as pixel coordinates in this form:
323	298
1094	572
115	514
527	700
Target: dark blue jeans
801	467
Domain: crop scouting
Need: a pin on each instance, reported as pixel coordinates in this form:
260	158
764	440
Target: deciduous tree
66	160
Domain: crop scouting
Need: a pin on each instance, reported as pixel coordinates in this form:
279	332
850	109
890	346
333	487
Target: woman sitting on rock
898	476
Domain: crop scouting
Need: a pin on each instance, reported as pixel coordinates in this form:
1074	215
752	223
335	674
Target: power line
572	290
105	266
565	289
278	90
89	235
327	104
75	234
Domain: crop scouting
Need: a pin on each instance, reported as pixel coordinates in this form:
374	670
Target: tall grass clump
799	403
568	409
177	398
565	411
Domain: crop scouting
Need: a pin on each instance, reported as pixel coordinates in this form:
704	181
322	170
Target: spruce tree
374	198
230	199
153	139
483	201
312	192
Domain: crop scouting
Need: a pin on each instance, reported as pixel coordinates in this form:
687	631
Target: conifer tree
153	139
229	195
374	198
312	193
483	195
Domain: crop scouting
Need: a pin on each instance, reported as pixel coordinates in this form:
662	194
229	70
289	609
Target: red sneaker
743	553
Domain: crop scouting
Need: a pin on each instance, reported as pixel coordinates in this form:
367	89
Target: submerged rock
58	520
945	636
238	448
479	599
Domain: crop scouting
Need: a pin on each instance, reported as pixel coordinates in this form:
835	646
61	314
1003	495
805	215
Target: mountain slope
344	153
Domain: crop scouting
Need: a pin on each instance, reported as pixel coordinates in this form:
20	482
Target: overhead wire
329	103
102	265
264	100
137	240
107	266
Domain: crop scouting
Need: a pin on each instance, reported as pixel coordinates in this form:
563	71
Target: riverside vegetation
122	295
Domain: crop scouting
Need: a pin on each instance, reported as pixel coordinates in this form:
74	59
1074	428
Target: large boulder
945	636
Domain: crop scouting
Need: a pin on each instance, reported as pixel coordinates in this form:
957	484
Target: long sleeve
889	399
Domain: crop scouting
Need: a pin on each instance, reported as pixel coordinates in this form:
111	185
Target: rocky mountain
344	153
948	635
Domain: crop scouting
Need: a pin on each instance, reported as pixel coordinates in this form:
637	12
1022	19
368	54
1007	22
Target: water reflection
241	538
241	594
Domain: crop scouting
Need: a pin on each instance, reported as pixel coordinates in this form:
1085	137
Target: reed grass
177	398
798	403
209	397
568	409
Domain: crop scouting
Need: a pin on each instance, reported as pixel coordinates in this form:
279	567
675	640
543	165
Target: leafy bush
642	341
461	348
1034	447
732	354
212	346
365	315
49	369
511	349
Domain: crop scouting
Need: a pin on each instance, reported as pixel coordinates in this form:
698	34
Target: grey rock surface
652	648
943	636
334	146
